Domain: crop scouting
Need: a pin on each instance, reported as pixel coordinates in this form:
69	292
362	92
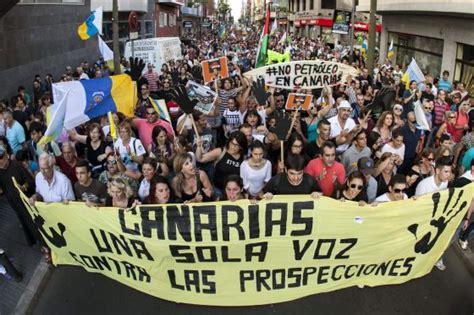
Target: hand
258	89
65	202
136	202
316	195
129	150
268	196
32	200
180	96
465	225
322	175
136	68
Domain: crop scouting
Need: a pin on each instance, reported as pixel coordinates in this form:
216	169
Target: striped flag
161	108
263	43
391	52
113	127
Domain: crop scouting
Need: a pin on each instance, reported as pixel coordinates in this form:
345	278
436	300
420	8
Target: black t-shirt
225	167
92	154
313	150
279	185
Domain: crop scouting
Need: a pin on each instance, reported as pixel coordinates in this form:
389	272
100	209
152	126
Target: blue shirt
445	85
15	136
411	140
466	160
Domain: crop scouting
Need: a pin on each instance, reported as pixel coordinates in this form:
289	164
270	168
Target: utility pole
115	37
351	33
371	43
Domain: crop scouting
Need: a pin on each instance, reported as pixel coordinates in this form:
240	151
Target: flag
222	31
276	57
80	101
92	25
282	39
55	121
413	73
364	47
274	27
161	108
390	53
113	127
263	43
105	51
421	121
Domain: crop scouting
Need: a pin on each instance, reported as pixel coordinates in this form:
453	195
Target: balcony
189	11
420	6
177	3
123	5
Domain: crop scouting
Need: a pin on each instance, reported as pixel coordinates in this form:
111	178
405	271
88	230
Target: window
298	5
163	19
172	19
51	2
304	5
464	71
428	52
328	4
311	4
149	32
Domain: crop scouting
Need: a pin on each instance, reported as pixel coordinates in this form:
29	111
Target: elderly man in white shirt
51	185
343	128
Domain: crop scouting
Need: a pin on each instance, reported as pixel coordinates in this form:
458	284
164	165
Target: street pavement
71	290
16	296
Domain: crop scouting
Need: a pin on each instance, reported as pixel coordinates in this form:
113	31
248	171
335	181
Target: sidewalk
466	255
16	296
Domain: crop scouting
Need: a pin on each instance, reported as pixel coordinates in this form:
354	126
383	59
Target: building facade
193	15
437	33
37	37
167	14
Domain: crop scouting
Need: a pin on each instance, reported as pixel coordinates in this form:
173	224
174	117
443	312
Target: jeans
463	235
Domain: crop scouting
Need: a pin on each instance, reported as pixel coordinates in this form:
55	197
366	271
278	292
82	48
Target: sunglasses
398	190
428	108
2	156
112	162
354	186
151	113
166	82
430	159
452	117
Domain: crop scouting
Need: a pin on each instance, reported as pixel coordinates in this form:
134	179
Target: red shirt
461	119
315	168
145	129
66	169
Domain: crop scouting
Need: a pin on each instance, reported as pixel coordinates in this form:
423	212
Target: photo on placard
204	95
214	69
299	101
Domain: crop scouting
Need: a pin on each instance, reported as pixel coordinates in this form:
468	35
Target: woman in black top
421	169
190	184
96	148
386	166
354	189
227	159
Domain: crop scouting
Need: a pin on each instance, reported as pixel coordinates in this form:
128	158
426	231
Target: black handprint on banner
56	238
136	68
439	221
282	126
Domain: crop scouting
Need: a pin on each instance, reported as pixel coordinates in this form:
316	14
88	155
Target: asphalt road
71	290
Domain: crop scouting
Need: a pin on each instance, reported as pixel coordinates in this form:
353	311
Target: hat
344	104
366	166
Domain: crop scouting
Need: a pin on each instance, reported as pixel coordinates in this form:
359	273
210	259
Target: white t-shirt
136	148
400	151
336	129
254	180
144	189
384	198
428	185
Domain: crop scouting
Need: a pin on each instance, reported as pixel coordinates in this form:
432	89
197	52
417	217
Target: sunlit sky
236	6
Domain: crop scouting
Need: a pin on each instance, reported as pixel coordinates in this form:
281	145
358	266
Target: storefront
313	27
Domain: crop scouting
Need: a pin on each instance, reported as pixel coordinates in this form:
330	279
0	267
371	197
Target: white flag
282	39
274	27
105	51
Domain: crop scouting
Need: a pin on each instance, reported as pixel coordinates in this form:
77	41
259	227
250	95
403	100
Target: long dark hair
151	199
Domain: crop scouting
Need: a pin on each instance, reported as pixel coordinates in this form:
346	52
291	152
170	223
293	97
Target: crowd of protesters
338	148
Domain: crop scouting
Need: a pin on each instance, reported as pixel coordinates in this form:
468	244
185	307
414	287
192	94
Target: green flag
263	44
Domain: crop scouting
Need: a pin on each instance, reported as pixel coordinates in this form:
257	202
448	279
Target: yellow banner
240	254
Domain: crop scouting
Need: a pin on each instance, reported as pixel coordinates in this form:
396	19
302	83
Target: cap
344	104
366	166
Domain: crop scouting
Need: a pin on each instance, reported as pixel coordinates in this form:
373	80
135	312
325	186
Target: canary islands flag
77	102
92	25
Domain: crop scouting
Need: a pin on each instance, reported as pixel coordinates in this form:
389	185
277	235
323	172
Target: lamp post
371	43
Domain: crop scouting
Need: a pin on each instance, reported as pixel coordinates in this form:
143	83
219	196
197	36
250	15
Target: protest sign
156	51
299	101
307	74
235	253
341	22
214	69
204	95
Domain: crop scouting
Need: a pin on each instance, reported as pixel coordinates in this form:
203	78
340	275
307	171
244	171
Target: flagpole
115	37
351	34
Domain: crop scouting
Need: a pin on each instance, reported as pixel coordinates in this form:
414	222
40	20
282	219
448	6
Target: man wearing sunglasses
396	189
145	126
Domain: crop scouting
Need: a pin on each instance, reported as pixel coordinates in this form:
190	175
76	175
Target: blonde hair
121	184
178	163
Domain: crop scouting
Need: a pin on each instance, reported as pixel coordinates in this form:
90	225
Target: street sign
133	35
188	24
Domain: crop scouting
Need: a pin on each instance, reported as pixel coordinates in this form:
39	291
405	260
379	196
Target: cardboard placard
204	95
214	69
299	101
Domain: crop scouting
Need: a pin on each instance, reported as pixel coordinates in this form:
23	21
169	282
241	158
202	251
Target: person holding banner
120	194
294	181
354	189
256	171
190	184
397	188
160	191
329	173
233	189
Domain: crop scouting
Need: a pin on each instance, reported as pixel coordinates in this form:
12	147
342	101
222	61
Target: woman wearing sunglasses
421	169
354	189
447	127
397	189
397	115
